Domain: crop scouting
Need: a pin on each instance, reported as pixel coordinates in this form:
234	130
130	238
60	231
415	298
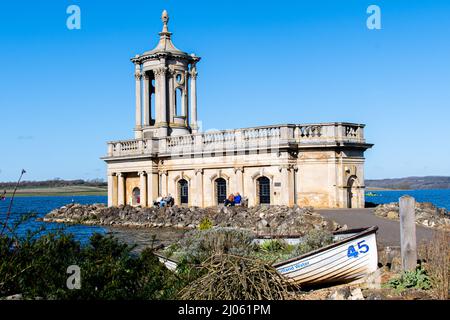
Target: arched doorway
136	200
183	191
351	192
263	190
221	190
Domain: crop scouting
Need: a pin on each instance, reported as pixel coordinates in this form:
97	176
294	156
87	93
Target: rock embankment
427	214
259	219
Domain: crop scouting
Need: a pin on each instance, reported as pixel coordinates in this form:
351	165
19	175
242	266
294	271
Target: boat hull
347	260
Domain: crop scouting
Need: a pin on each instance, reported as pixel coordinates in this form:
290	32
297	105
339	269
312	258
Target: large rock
260	219
426	213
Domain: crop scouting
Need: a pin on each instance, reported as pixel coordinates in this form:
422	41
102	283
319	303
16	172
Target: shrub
416	279
205	224
313	240
37	267
197	246
437	256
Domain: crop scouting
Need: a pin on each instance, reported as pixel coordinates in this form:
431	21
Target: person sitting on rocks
237	199
169	200
157	202
229	201
162	202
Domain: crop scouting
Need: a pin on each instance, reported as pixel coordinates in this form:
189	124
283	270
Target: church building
320	164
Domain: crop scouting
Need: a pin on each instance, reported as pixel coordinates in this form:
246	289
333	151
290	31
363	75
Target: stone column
121	189
286	185
161	92
150	189
138	77
193	93
172	110
147	110
197	200
164	174
143	188
238	180
110	189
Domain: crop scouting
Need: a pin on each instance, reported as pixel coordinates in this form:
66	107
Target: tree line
56	183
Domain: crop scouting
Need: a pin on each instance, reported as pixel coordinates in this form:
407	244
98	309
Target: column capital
160	71
163	172
111	174
145	75
287	167
142	173
193	73
236	169
198	171
138	75
120	174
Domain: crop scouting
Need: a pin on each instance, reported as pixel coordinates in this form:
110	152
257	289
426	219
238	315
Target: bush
417	279
313	240
36	267
205	224
437	263
197	246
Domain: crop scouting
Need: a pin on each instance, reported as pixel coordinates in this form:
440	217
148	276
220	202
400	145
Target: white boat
353	256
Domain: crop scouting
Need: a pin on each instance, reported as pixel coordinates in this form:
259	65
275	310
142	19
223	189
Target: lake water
43	205
440	197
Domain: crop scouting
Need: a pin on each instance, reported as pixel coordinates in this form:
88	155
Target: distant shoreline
58	191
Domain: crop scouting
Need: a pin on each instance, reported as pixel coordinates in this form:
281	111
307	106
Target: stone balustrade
276	136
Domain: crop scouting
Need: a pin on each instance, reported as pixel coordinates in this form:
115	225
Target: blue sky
64	93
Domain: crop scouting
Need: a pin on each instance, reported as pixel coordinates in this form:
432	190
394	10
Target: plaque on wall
277	184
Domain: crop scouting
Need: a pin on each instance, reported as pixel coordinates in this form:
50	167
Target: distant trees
414	183
56	182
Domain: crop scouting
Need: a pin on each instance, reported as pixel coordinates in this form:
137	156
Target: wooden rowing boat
353	256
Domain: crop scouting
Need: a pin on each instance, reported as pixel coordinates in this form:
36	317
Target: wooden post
408	232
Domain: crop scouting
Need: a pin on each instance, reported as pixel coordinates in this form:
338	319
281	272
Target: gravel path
388	232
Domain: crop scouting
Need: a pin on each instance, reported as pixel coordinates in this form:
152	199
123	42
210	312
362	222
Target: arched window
263	190
136	197
183	191
178	102
152	99
221	190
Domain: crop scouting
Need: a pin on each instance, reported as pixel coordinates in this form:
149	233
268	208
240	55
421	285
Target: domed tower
166	94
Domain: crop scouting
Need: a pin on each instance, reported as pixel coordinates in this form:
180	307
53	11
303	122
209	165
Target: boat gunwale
359	233
363	232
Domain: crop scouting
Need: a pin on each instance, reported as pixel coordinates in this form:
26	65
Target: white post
408	232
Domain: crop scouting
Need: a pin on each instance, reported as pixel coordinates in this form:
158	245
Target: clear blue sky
64	93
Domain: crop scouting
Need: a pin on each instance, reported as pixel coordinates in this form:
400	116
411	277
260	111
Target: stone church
320	165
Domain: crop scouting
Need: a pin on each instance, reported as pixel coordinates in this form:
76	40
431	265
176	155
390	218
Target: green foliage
205	224
197	245
417	279
313	240
37	266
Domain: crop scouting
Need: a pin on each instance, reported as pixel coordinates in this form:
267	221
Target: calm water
43	205
440	198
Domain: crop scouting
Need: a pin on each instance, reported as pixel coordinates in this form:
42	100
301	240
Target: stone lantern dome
166	97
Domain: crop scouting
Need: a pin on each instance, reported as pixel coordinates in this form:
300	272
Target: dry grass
437	263
231	277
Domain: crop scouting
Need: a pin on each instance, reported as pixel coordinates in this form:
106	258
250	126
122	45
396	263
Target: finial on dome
165	20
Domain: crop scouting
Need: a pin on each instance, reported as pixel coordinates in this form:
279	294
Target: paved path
388	230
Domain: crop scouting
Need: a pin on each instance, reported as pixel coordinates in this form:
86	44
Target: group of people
233	199
167	201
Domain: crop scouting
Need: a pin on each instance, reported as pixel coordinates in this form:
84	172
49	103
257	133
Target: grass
59	191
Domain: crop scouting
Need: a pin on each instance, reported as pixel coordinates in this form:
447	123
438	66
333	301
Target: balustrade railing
324	133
